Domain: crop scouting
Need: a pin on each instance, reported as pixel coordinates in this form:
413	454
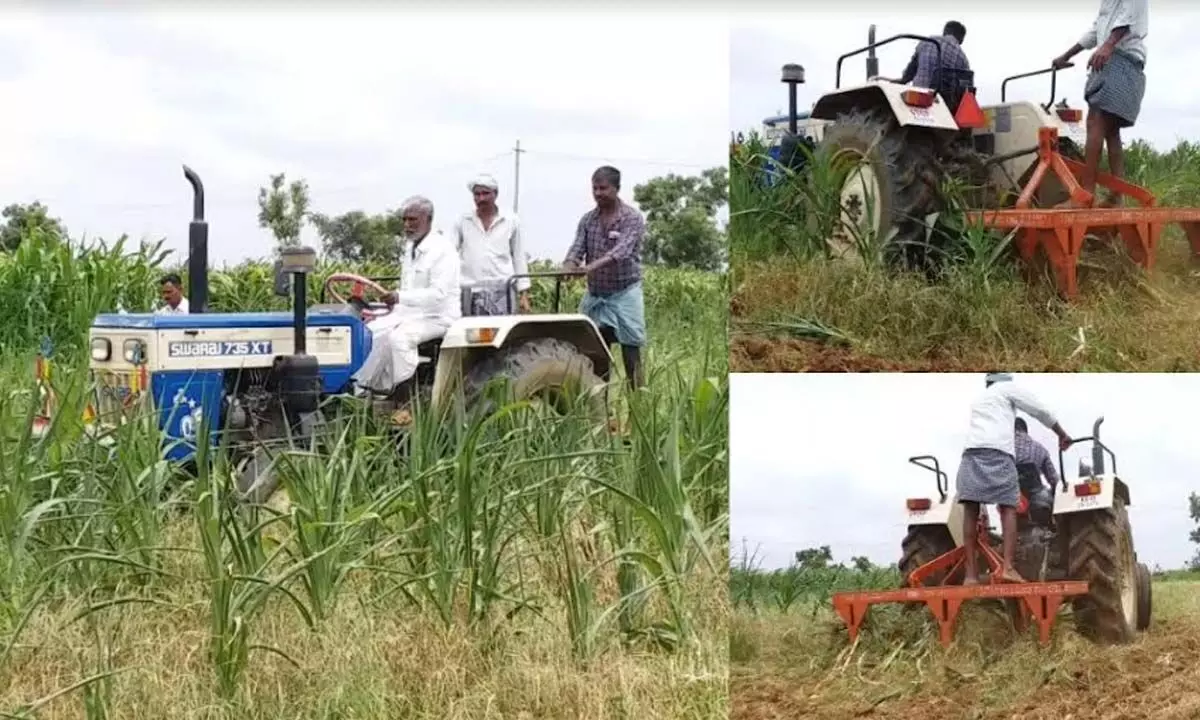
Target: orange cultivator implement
1060	232
1037	600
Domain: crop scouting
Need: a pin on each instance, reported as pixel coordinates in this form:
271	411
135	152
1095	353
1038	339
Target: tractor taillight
918	504
1087	489
1071	115
917	98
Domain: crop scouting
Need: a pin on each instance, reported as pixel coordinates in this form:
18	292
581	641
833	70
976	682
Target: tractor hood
147	321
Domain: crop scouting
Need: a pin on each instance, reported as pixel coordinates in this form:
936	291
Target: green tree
282	209
814	558
681	219
358	237
22	220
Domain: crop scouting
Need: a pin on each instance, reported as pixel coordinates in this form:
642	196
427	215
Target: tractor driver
987	474
422	309
923	67
1033	464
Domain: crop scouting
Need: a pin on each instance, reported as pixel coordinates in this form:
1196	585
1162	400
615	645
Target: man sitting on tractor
1033	464
923	70
987	474
424	307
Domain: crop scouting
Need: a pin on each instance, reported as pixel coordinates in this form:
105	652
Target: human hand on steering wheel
385	299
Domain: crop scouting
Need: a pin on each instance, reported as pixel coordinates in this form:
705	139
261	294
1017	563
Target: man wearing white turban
489	246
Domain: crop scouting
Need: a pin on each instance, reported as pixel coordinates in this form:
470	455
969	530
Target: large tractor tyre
1100	551
545	368
1143	596
890	182
922	544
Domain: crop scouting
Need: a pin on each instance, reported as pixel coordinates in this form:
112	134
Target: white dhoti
394	340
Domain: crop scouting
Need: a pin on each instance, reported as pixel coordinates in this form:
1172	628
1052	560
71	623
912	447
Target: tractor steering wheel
368	310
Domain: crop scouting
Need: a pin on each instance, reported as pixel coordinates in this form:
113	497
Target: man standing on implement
1115	85
987	474
609	240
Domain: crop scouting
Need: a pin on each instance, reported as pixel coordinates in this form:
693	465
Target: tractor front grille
119	396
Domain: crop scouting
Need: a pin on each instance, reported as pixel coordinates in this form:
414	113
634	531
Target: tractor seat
427	352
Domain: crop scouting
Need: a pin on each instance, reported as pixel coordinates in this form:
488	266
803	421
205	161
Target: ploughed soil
760	354
1155	678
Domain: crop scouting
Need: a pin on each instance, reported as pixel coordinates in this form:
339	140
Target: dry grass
373	659
800	664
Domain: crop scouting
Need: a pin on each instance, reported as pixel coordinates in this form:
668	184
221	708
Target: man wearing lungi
609	240
1115	85
987	474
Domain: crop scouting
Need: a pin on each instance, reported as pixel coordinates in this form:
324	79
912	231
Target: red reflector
917	98
915	504
969	114
1087	488
1070	114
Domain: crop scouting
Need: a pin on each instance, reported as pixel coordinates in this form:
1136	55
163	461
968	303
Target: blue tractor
262	377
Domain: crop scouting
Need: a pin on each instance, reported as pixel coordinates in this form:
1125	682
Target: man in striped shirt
1033	464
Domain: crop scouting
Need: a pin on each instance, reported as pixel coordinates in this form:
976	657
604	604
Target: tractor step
1039	601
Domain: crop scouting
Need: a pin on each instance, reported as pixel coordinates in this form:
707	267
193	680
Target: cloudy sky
369	105
999	43
822	459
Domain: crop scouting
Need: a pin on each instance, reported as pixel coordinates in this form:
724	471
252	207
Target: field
514	566
794	309
790	657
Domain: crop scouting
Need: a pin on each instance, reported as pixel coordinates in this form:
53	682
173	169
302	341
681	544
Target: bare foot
1011	576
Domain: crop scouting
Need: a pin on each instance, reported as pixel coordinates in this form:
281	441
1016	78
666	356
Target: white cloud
821	459
999	43
368	106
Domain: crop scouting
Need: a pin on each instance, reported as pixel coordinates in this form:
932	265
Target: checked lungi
988	476
1117	88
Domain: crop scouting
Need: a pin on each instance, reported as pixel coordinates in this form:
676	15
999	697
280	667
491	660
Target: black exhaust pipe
1097	449
197	247
793	75
872	61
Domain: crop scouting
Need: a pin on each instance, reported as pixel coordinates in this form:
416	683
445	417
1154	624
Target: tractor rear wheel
922	544
889	179
546	368
1100	551
1143	596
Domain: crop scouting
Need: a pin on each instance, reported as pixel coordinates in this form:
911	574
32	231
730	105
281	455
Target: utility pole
516	174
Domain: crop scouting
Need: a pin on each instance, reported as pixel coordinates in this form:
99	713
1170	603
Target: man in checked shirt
609	241
1034	463
923	66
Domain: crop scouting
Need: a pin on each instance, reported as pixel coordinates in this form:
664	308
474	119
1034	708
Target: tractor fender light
101	349
917	98
1087	489
1071	115
918	504
481	336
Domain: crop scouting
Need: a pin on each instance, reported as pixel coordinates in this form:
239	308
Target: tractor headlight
481	336
134	351
101	349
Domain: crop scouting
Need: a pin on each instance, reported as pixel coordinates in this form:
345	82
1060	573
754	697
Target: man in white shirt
987	474
421	310
171	290
489	246
1115	85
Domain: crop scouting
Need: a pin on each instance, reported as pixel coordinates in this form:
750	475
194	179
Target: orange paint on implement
1060	232
1039	601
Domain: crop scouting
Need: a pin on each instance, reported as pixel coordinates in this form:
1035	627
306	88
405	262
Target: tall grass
533	538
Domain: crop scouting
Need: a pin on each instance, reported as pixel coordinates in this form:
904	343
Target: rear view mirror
283	280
